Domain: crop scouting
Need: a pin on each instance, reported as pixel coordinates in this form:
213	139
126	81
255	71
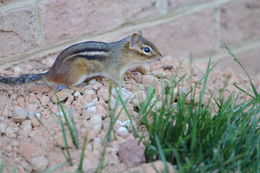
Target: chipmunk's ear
135	39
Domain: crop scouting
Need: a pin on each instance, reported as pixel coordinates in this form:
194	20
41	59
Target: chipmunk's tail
25	78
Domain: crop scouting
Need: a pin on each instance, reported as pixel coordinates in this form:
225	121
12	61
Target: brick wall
36	28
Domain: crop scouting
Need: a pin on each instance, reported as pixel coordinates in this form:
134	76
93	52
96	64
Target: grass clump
197	138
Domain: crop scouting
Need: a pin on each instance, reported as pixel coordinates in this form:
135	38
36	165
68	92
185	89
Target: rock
29	150
89	92
87	114
38	115
125	94
26	166
131	153
149	80
126	123
167	67
123	132
160	74
91	161
31	108
10	132
144	69
96	123
59	141
92	109
153	167
140	97
26	128
137	76
4	99
102	110
19	115
2	128
45	100
111	157
39	163
96	85
62	95
77	93
103	94
91	104
157	166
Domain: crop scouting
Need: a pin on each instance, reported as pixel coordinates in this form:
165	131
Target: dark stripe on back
90	57
91	46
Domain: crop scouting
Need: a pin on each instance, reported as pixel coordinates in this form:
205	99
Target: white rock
19	115
61	114
2	128
92	82
89	92
38	115
77	93
92	109
159	74
45	100
31	108
125	94
96	122
26	166
126	123
149	80
123	132
91	104
39	163
17	69
119	122
10	132
26	128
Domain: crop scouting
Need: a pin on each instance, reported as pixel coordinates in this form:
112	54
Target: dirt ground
28	146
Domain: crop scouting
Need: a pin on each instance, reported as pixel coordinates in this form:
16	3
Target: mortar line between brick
39	25
126	27
222	53
6	7
175	14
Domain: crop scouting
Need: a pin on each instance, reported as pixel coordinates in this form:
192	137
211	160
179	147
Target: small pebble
39	163
2	128
123	132
19	115
77	93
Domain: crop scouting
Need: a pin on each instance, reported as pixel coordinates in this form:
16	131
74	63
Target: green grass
195	137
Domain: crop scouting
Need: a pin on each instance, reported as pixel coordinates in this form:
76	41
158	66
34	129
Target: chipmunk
89	59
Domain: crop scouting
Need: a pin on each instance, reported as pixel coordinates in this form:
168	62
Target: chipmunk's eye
147	49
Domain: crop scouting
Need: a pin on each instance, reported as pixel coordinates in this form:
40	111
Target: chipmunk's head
142	50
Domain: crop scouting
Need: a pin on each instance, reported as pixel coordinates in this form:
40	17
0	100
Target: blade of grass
233	55
244	91
68	157
161	153
68	123
82	155
75	130
136	134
